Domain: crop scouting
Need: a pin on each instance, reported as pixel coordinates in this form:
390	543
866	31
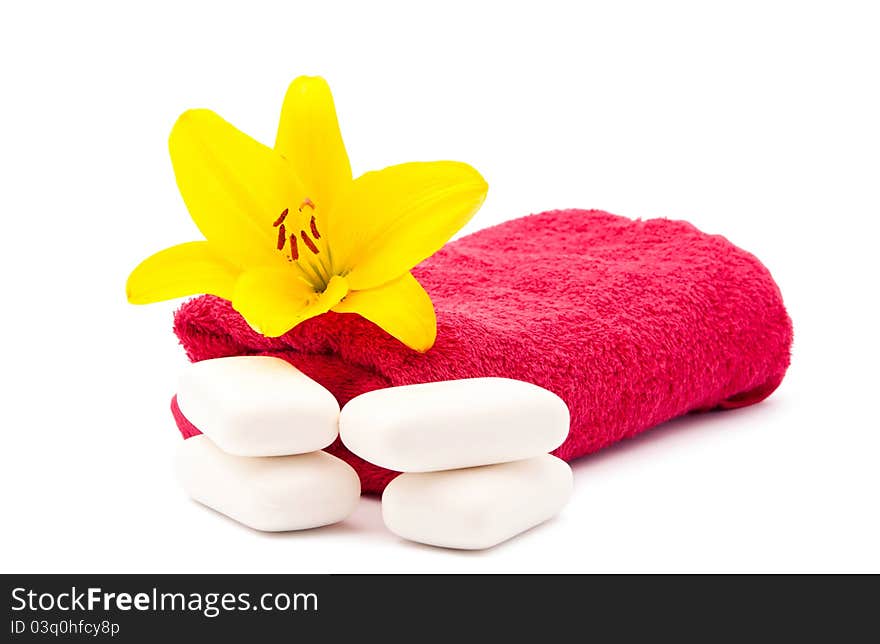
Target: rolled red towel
632	323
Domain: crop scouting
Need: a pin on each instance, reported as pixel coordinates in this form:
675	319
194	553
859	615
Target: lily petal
185	269
274	300
402	308
390	220
234	187
309	137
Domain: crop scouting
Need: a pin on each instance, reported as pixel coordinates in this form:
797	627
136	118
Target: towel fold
632	323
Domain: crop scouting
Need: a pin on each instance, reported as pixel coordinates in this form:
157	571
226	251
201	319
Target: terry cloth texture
632	323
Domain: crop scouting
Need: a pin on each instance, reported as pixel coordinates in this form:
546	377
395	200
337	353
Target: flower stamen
308	242
314	226
280	219
282	237
294	249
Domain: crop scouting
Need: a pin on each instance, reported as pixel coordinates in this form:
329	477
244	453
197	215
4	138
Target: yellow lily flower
290	235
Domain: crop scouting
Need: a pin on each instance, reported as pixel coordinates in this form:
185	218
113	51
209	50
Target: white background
757	120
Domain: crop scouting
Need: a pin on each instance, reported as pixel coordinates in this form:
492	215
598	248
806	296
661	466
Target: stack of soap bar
473	453
258	460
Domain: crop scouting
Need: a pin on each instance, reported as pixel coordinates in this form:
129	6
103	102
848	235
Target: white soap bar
477	507
258	406
453	424
271	493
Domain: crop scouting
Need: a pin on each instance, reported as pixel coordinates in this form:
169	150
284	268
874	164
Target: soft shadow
718	420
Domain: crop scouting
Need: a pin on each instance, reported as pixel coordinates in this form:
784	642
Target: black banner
151	608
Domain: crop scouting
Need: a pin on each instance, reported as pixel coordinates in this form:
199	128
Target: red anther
306	202
294	248
314	226
308	242
282	236
280	219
